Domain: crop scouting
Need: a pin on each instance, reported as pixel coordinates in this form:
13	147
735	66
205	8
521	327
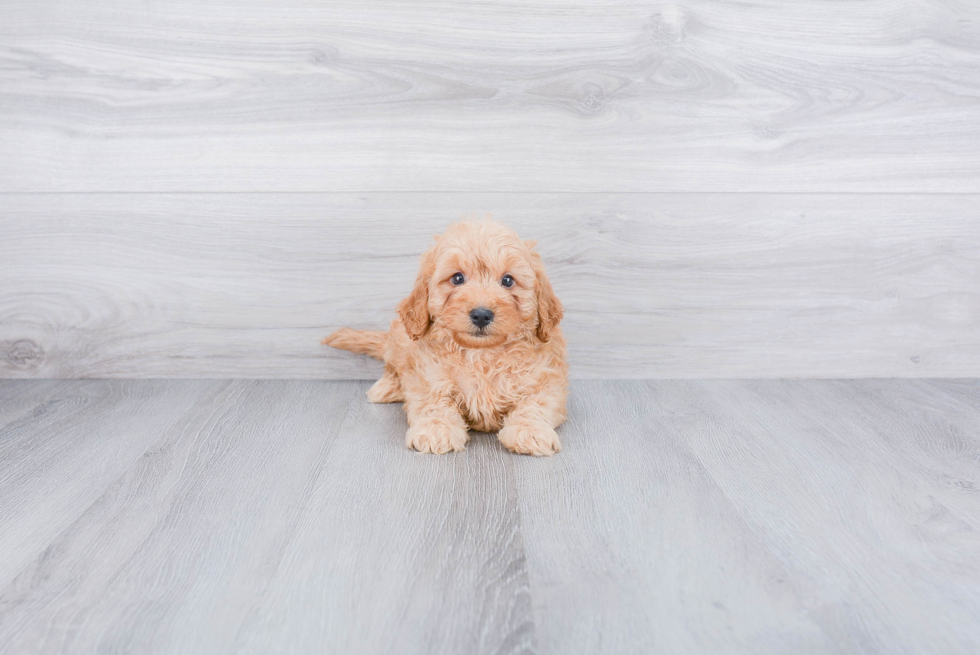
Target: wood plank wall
719	189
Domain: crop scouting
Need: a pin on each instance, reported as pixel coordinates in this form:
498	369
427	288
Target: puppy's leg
529	429
435	425
388	389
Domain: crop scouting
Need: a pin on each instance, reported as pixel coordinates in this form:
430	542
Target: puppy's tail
364	342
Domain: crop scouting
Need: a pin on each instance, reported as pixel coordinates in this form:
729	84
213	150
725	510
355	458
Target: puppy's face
481	285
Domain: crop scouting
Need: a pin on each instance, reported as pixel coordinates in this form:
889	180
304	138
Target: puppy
476	345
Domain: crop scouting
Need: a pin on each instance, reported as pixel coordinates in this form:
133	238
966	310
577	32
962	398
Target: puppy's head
480	285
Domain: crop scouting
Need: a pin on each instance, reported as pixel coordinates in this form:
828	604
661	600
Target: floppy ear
414	310
550	310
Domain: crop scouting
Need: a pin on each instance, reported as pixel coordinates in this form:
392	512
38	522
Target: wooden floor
681	517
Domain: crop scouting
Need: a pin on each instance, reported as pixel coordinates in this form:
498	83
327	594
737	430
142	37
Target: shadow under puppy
476	345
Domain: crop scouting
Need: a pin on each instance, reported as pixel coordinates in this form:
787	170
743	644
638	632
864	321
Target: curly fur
511	378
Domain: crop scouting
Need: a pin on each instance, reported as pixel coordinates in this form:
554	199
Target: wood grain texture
75	440
281	516
884	525
655	285
681	516
967	391
632	547
303	95
400	552
767	516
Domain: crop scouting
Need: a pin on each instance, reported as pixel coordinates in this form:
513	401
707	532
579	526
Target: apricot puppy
476	345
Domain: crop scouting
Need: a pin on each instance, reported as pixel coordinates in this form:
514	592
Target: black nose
481	317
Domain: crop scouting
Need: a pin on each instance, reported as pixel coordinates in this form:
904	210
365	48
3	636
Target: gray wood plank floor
681	516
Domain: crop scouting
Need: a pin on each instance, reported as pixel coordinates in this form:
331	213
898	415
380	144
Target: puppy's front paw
436	437
526	438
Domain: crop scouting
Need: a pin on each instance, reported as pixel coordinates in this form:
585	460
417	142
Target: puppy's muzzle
481	317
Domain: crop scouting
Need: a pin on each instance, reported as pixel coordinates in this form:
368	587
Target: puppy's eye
457	279
507	281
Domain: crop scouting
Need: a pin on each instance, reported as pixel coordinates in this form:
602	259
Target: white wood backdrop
720	189
656	285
